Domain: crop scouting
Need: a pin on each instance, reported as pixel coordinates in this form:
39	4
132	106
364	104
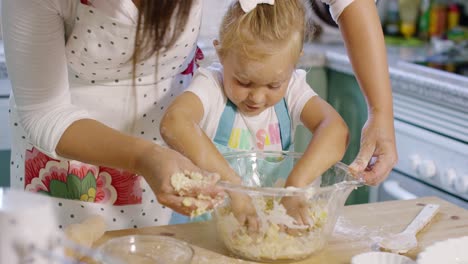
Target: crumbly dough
187	182
273	242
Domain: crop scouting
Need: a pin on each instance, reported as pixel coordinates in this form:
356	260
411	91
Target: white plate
380	258
451	251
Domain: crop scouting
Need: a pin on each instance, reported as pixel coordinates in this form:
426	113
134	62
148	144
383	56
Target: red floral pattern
191	67
96	183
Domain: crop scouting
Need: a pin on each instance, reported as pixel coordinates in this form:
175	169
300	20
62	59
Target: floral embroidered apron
98	50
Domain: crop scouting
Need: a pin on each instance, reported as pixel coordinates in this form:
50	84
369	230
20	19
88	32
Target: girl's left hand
297	208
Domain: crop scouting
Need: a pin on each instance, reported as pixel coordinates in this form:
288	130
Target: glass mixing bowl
279	237
148	249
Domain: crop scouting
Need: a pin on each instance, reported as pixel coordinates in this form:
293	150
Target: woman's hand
378	153
158	164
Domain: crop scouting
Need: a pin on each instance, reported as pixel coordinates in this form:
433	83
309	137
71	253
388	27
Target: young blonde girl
254	99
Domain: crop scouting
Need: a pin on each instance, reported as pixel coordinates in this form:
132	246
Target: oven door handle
395	190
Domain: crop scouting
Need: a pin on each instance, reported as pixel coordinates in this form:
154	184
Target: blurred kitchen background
427	44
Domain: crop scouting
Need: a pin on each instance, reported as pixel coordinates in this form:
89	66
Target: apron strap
223	132
228	116
284	122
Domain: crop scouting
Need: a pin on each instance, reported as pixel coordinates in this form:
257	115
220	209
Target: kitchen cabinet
345	96
317	79
343	93
4	168
4	133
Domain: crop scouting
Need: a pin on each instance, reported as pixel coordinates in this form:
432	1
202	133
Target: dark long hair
160	22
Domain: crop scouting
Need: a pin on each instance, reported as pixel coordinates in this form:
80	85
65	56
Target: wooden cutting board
357	228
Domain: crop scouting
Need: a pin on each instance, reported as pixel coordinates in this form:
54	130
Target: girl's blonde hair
266	29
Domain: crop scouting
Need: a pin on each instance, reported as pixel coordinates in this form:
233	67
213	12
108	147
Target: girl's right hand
244	210
157	165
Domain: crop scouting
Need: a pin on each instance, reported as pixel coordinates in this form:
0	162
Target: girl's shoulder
207	82
298	81
299	75
212	73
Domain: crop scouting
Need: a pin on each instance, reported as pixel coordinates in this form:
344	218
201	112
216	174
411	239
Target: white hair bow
249	5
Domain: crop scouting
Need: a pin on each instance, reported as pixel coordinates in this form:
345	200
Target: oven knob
449	177
461	184
427	169
415	161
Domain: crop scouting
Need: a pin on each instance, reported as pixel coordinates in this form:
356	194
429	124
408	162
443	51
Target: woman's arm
362	32
34	39
327	146
106	146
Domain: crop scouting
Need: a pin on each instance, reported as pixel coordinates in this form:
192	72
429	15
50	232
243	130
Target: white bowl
380	258
451	251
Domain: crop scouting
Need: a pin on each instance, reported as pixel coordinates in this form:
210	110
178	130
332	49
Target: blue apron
273	169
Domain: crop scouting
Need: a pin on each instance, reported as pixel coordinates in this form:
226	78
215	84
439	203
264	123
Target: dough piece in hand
186	183
85	233
201	206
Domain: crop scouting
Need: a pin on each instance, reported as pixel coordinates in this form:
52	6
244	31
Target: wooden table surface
357	229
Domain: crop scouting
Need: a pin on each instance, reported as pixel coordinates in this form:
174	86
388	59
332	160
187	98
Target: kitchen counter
355	232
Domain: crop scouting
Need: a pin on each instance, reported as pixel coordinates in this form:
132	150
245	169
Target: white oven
432	144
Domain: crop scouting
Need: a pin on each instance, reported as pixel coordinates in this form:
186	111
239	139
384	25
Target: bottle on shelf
424	19
438	19
408	16
453	16
392	18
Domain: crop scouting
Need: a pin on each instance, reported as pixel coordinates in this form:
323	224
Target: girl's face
255	85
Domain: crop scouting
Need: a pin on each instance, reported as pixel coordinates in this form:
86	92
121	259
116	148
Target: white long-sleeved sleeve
34	38
337	7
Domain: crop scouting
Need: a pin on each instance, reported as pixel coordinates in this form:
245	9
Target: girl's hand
245	212
297	208
158	164
378	153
